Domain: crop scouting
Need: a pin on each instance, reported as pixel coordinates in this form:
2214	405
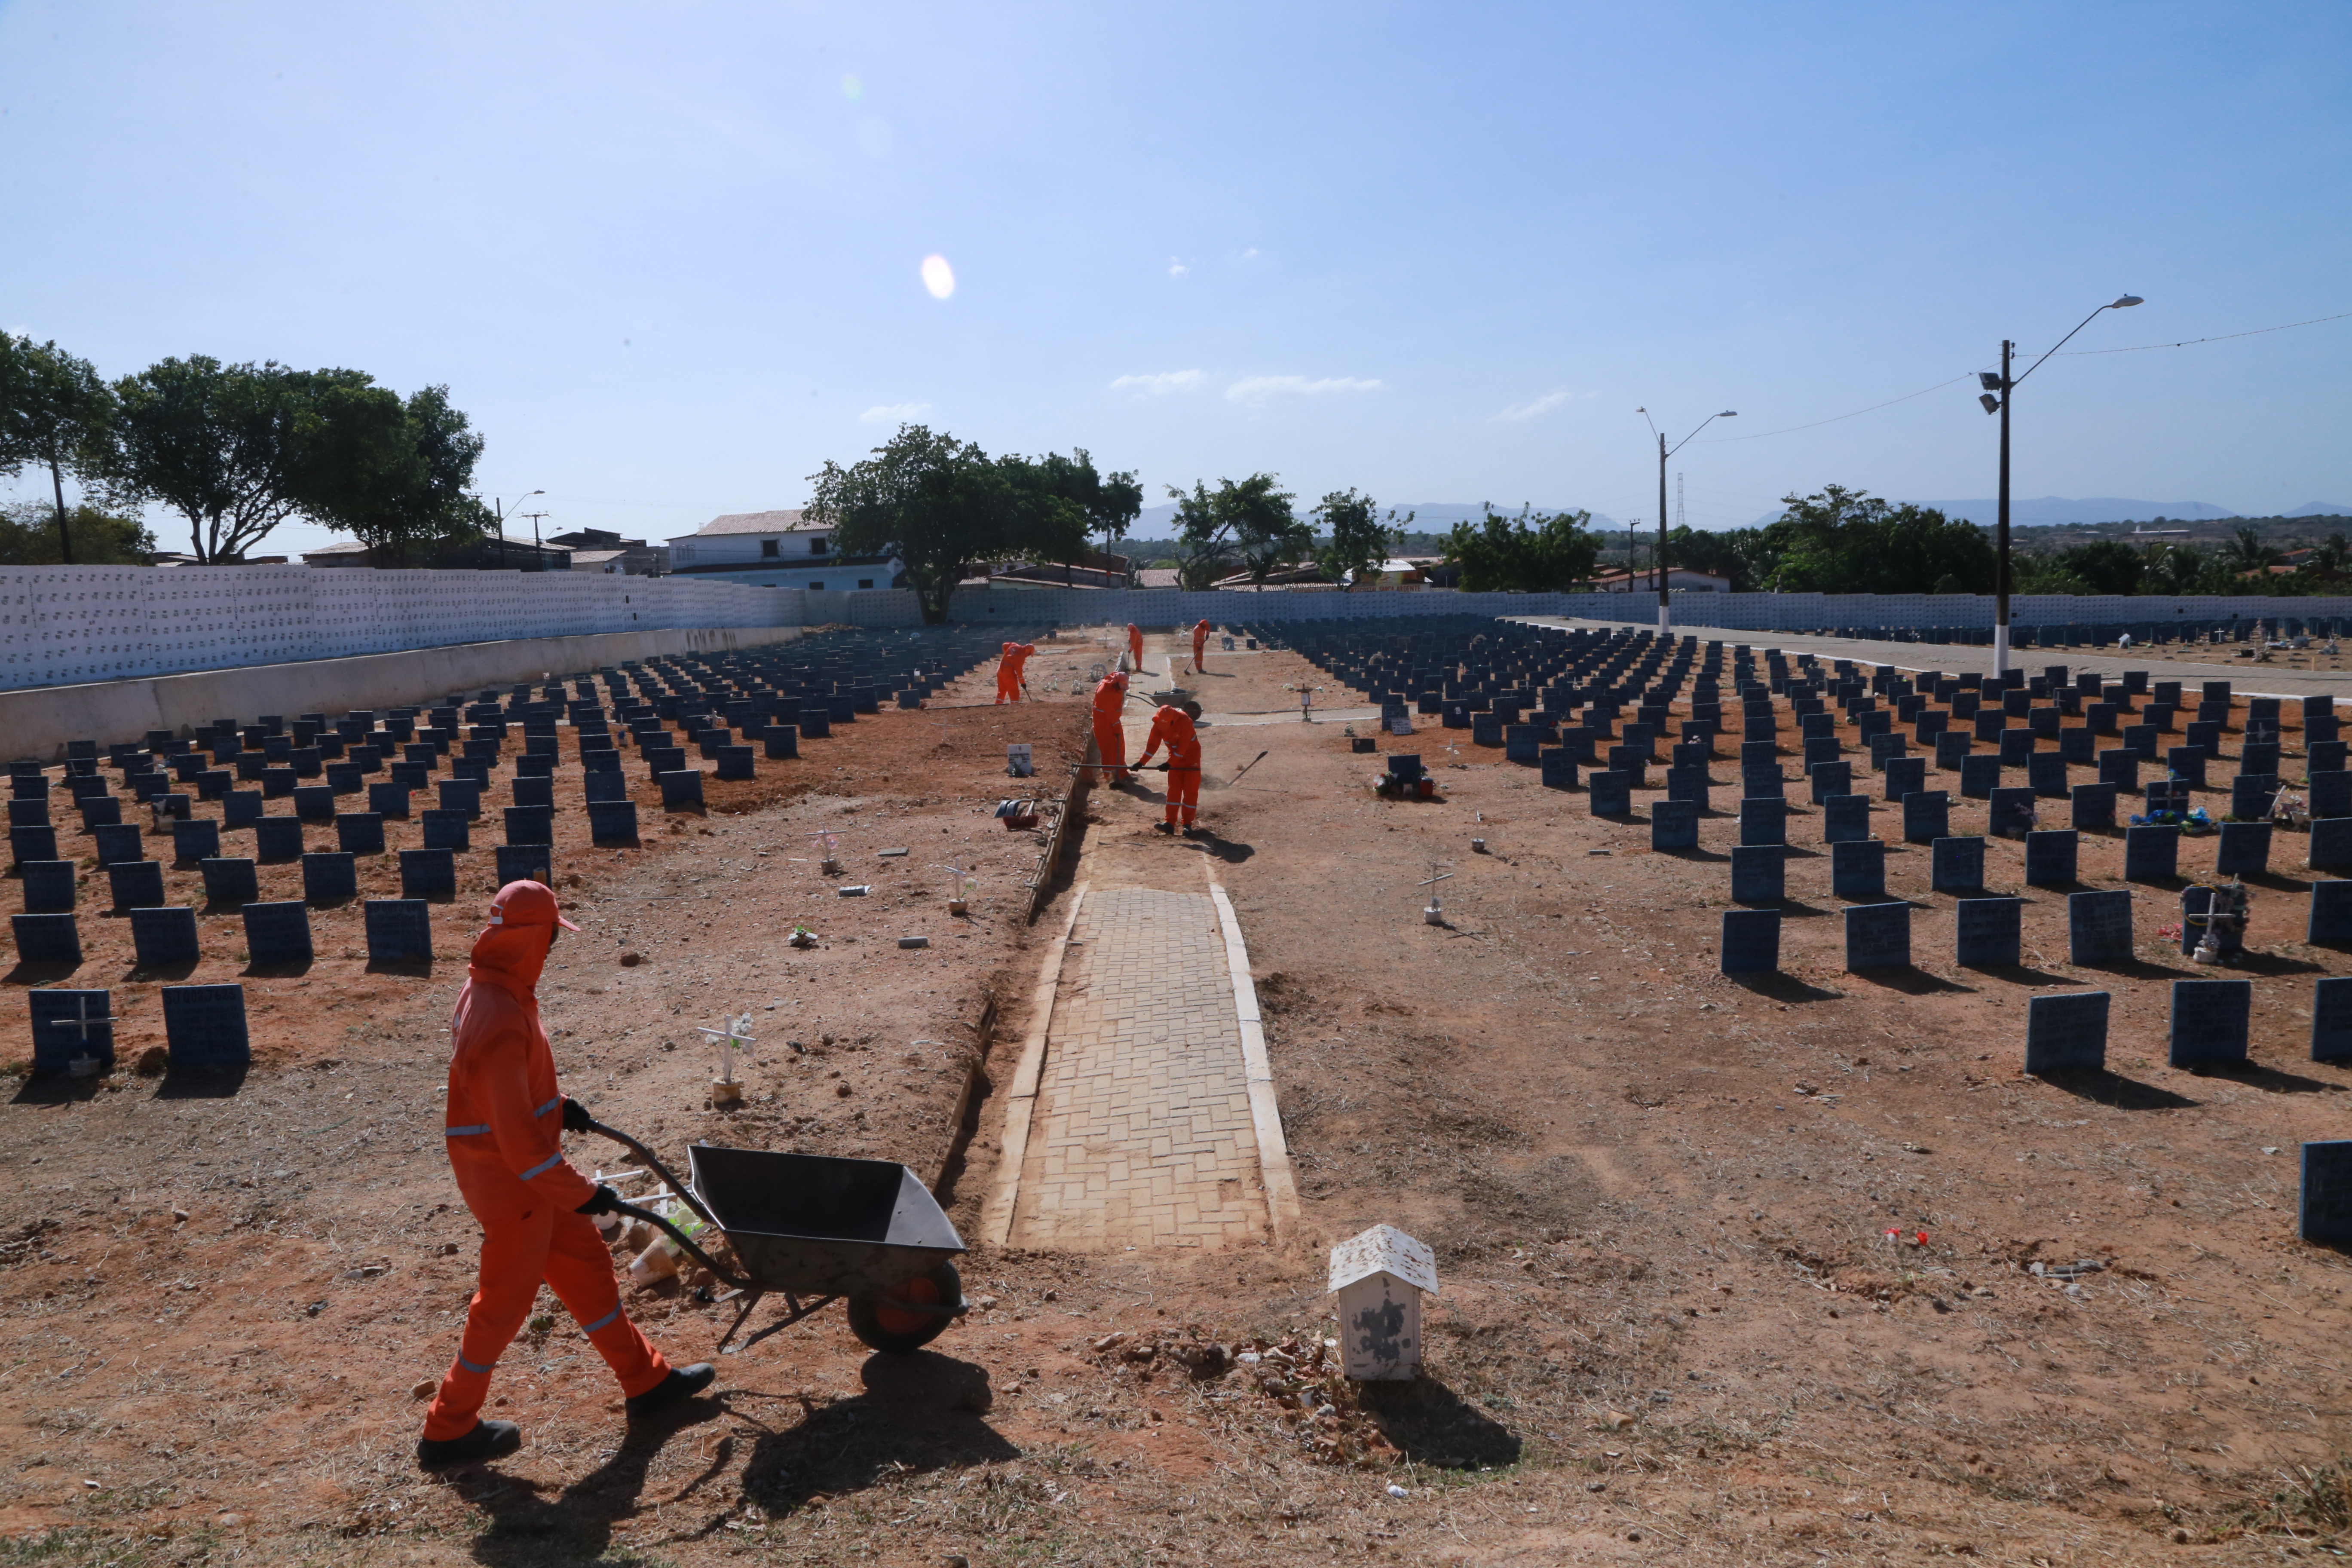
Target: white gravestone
1379	1278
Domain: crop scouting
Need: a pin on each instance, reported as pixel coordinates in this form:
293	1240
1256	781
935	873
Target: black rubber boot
683	1382
487	1440
1167	827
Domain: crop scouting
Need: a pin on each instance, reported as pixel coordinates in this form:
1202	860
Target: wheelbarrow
815	1229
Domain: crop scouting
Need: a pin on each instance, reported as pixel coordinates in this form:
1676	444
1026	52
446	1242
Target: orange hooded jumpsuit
1200	645
1135	646
1008	669
1110	735
1174	726
505	1118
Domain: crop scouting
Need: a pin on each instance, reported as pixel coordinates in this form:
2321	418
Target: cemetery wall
62	625
38	721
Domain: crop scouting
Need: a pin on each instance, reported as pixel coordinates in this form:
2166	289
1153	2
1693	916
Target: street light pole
2006	385
1665	620
499	507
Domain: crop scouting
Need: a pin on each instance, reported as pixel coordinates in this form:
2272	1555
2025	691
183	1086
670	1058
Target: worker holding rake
1111	734
506	1118
1134	646
1173	725
1200	646
1009	684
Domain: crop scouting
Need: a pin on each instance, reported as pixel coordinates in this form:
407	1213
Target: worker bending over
1008	669
1111	734
1173	724
506	1118
1135	648
1200	645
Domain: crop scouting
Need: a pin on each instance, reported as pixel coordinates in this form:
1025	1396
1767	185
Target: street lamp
499	507
2005	385
1664	453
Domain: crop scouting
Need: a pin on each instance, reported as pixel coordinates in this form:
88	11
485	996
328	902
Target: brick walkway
1141	1135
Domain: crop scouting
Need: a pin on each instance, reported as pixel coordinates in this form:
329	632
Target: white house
775	549
1679	580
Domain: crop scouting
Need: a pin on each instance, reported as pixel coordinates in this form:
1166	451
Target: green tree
393	475
1532	552
54	412
1250	522
1850	541
1066	502
29	537
939	504
2247	552
1361	542
1727	554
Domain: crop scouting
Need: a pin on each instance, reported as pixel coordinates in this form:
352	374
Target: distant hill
2045	512
2318	508
1158	523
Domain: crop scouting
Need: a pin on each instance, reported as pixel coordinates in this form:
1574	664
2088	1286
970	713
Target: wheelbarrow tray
814	1225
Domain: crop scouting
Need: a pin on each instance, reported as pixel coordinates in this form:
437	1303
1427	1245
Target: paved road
2246	678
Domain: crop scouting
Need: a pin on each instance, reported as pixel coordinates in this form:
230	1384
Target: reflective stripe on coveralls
1174	727
1008	669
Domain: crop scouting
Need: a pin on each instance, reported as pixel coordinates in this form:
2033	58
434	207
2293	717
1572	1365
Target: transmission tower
1679	502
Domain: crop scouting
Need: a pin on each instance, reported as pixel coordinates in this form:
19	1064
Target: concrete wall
38	723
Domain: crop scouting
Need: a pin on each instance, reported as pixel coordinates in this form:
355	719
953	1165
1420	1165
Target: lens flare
939	277
851	88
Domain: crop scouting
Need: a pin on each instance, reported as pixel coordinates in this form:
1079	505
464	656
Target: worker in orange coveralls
1134	646
1008	669
1200	646
506	1118
1110	735
1174	725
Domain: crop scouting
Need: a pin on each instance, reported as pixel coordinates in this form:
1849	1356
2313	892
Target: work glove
603	1200
575	1116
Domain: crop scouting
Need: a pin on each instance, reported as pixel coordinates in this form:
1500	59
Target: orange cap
527	903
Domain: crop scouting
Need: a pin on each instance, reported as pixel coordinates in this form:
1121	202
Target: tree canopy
29	537
1848	541
1250	522
395	475
1359	541
1533	553
56	413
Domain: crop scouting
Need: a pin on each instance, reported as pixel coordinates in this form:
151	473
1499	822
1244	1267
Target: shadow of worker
531	1524
919	1412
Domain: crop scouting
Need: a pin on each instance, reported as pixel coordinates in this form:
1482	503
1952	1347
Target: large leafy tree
1250	522
1533	553
395	475
54	413
1359	542
231	447
1063	502
1850	541
29	537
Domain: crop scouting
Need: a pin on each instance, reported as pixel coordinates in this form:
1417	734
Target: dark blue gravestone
783	741
360	833
1906	775
204	1027
2151	852
2186	764
1674	825
278	933
1751	942
460	795
1956	865
1830	779
1763	822
2011	814
530	824
2066	1034
1611	793
540	765
2049	858
2167	796
2078	747
1485	729
343	779
2324	1210
603	786
1845	817
612	823
165	936
2331	844
2331	1019
230	881
526	863
136	884
101	811
1878	936
2099	927
1520	744
2330	924
2245	849
2209	1021
427	874
32	844
389	800
2252	794
277	839
315	802
2119	768
534	791
1689	785
1628	759
73	1032
2093	806
1951	750
447	830
399	931
330	878
736	762
1858	868
1988	933
1884	749
1979	776
1758	874
198	840
2045	775
2330	793
119	843
471	770
1762	784
2016	746
1559	769
32	812
46	939
816	724
1926	815
49	887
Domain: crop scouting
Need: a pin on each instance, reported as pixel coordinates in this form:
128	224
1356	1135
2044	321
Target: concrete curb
1266	1116
1021	1096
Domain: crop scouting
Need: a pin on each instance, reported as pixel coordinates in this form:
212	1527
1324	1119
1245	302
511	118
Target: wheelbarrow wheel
881	1321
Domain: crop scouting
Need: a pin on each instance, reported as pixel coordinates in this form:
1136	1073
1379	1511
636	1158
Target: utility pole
538	561
2001	527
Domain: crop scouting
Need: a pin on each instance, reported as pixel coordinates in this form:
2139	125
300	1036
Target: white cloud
1177	269
894	413
1166	380
1259	388
1519	411
1251	255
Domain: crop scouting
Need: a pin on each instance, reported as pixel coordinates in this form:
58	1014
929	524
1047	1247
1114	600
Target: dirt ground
1673	1321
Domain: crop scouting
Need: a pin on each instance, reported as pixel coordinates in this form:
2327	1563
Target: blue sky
668	257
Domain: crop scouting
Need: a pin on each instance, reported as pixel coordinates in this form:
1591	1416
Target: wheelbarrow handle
647	1155
726	1276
